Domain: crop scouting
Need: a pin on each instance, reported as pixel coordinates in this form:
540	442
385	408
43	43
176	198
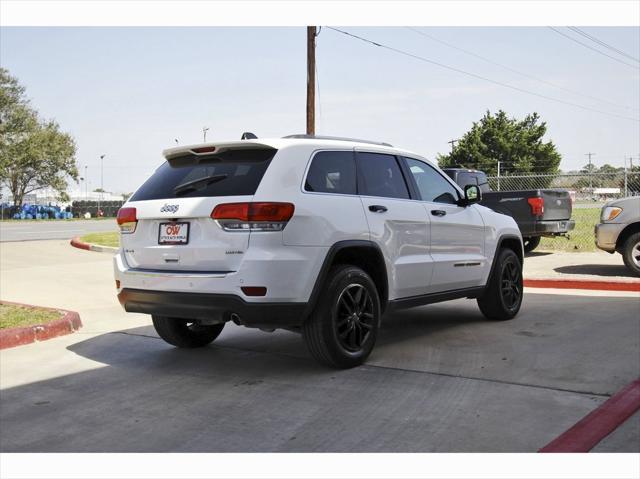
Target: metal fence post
626	188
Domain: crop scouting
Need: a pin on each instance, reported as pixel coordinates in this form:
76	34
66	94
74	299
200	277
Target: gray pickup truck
619	230
539	212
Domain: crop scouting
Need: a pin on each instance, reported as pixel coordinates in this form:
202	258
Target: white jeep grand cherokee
314	234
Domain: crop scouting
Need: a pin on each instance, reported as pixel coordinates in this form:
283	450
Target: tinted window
380	175
332	172
231	173
431	184
465	179
473	178
483	182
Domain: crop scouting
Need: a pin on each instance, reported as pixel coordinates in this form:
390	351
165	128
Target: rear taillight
537	206
263	216
127	220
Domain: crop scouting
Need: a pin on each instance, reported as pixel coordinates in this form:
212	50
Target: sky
128	93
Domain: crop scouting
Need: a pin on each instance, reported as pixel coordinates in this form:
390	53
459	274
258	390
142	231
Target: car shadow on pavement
534	254
289	346
596	270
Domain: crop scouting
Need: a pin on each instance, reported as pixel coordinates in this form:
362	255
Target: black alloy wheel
354	317
511	284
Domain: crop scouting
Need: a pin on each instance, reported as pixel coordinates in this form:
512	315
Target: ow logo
169	208
173	230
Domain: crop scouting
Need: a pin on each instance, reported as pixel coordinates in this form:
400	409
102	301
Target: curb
599	423
566	283
12	337
76	243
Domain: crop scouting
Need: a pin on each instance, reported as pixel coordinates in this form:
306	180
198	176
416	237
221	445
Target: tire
185	333
631	253
531	243
343	327
503	295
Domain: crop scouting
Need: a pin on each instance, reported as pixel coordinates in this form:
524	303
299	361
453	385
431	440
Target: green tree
517	145
34	153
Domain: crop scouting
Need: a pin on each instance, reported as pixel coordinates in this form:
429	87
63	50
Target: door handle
438	212
377	208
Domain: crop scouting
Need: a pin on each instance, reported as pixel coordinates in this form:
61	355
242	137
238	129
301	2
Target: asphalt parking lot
441	379
60	229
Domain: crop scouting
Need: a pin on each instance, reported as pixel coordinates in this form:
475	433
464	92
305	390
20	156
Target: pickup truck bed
539	212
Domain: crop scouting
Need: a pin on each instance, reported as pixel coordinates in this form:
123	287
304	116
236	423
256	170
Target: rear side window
380	175
230	173
332	172
431	184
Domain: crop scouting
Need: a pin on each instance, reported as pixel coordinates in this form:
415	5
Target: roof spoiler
209	149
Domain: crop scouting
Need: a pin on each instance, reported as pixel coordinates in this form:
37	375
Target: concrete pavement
594	266
440	379
50	229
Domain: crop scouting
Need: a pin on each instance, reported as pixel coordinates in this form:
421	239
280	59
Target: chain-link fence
589	193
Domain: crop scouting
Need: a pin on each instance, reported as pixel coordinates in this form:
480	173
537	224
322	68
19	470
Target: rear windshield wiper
197	184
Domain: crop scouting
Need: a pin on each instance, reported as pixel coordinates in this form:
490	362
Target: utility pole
205	129
311	80
86	182
101	183
453	143
590	172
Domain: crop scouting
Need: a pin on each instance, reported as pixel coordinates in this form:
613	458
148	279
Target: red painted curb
582	284
12	337
599	423
76	243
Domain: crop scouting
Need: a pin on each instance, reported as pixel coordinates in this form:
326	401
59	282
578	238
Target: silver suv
619	230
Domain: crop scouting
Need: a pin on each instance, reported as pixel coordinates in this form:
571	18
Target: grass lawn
12	316
581	238
112	238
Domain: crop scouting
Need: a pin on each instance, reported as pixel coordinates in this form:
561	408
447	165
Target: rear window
230	173
475	178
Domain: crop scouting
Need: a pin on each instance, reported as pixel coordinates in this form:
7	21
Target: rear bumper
552	227
212	306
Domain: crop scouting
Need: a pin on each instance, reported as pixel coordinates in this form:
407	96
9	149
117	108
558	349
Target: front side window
380	175
432	186
332	172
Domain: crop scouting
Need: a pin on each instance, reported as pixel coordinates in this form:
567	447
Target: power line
526	75
604	44
474	75
594	49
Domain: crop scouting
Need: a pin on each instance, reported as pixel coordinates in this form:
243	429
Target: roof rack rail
337	138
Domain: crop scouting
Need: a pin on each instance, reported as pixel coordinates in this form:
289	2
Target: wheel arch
361	253
511	241
625	233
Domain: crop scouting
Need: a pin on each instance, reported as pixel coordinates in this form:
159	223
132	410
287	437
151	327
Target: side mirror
472	194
